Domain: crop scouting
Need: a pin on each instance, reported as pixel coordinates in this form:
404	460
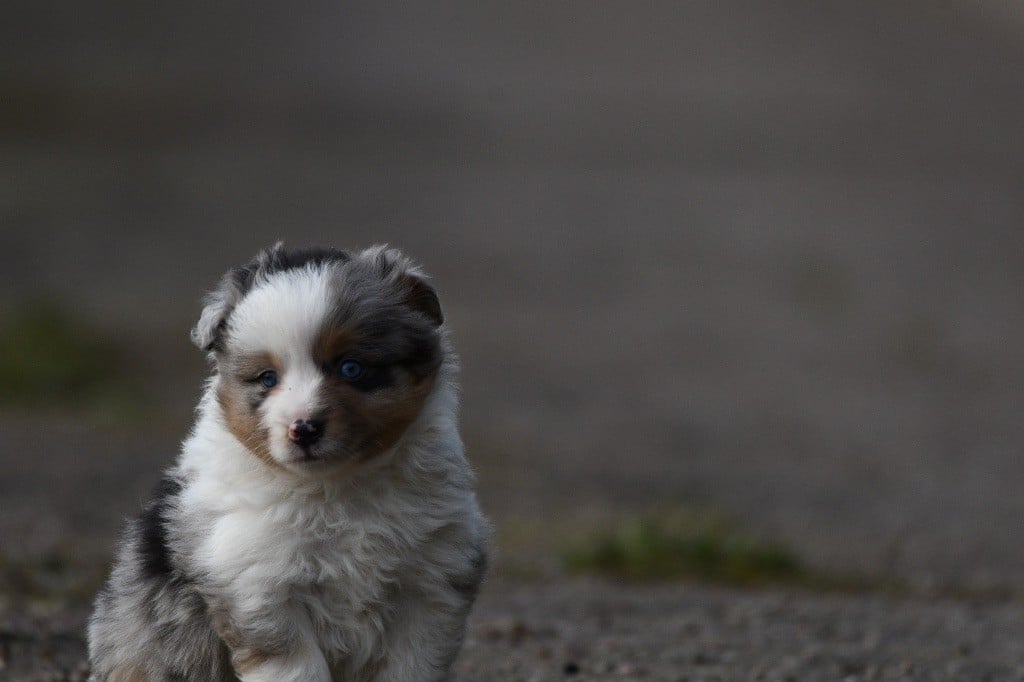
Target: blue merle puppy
320	522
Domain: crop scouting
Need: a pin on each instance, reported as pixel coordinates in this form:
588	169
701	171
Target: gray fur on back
151	606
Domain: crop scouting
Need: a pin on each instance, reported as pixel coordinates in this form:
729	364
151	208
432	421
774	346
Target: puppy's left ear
407	277
423	299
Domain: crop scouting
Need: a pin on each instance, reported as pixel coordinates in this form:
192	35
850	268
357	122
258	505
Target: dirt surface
597	631
601	631
761	257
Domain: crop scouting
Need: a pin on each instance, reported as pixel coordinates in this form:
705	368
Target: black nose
305	431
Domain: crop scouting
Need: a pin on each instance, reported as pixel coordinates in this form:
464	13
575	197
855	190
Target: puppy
320	523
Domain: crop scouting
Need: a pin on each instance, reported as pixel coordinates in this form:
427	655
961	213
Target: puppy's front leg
424	640
277	649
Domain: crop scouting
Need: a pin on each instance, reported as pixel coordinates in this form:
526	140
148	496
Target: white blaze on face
282	318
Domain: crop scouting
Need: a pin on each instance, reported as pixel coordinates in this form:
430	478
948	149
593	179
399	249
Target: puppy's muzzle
305	432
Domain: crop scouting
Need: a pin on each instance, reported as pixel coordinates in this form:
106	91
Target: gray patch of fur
153	622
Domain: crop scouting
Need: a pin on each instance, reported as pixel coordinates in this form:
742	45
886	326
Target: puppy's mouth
316	454
306	454
299	454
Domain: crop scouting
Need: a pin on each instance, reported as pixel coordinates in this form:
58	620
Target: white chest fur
336	560
319	558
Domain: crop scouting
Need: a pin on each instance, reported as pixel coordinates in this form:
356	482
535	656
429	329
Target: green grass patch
51	358
57	579
683	546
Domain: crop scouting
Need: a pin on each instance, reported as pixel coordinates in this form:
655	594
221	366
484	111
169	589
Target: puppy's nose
305	431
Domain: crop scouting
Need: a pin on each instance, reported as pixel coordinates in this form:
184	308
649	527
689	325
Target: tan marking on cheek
395	417
371	423
243	421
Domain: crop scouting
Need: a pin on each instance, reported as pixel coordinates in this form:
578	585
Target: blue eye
350	369
268	379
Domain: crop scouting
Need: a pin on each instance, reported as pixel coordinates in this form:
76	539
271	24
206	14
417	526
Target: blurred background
764	259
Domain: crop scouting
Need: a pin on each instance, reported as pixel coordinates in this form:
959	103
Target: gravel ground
599	631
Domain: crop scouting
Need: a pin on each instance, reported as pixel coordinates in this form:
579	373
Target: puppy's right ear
213	322
208	333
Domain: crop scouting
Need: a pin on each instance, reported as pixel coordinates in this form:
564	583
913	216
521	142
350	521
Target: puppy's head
324	357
